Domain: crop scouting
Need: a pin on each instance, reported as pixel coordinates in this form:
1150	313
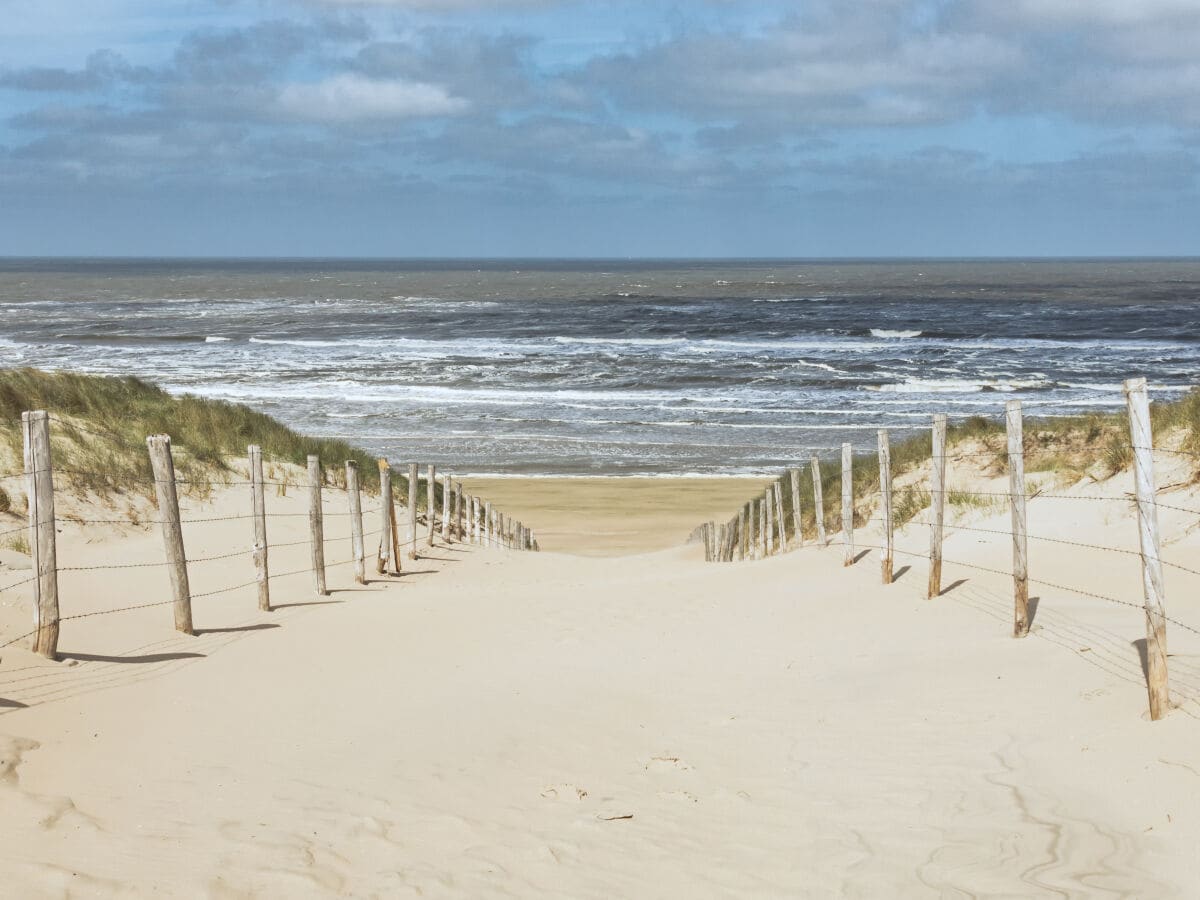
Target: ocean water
609	367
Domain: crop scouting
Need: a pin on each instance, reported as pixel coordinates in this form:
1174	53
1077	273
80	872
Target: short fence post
885	489
1142	438
818	500
356	525
446	508
316	521
473	525
777	493
742	537
1016	500
937	508
258	505
35	427
172	530
430	502
848	504
413	492
762	529
489	525
797	520
384	562
767	502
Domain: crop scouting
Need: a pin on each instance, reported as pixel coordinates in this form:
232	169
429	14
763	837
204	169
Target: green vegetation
1069	448
99	428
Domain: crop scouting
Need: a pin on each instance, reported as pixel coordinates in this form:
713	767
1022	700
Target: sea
615	367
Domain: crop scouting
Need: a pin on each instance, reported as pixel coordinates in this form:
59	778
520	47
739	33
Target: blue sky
558	128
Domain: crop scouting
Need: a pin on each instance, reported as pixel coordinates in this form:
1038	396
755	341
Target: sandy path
526	725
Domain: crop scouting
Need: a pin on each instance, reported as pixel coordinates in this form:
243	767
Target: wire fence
778	520
450	515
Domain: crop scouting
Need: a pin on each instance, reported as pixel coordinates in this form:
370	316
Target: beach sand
615	516
501	724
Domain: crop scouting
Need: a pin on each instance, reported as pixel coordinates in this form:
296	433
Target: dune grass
1070	448
100	424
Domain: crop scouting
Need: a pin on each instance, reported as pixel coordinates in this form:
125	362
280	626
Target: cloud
352	98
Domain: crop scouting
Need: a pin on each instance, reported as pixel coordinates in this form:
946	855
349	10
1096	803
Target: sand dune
519	725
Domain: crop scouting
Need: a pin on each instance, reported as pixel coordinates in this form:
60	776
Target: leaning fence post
937	508
172	530
1016	499
258	505
1142	438
770	512
885	489
848	504
356	526
413	491
316	523
40	492
489	526
763	546
818	500
446	508
797	520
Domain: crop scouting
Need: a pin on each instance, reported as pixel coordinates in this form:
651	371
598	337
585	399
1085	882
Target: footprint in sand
666	764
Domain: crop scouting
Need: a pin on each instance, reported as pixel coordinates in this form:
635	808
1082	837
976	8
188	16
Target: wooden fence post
473	526
704	538
384	563
414	491
258	506
848	504
39	486
762	529
431	502
777	493
316	522
797	521
356	524
742	536
172	530
1142	438
446	508
771	521
937	508
818	500
1016	500
885	490
489	523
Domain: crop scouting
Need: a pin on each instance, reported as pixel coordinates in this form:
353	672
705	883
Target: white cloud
353	98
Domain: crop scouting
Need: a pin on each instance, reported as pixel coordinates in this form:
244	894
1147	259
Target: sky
600	128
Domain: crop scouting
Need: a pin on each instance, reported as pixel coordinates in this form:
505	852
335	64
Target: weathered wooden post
704	539
414	491
777	494
847	504
885	490
769	506
316	523
1016	499
356	524
818	500
473	527
1142	438
937	509
797	522
743	538
431	502
446	508
172	530
258	506
458	512
384	562
763	546
489	524
39	487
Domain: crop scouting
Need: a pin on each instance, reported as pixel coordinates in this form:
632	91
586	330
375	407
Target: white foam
895	333
215	339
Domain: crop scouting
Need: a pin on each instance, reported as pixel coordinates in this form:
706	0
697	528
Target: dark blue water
585	367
